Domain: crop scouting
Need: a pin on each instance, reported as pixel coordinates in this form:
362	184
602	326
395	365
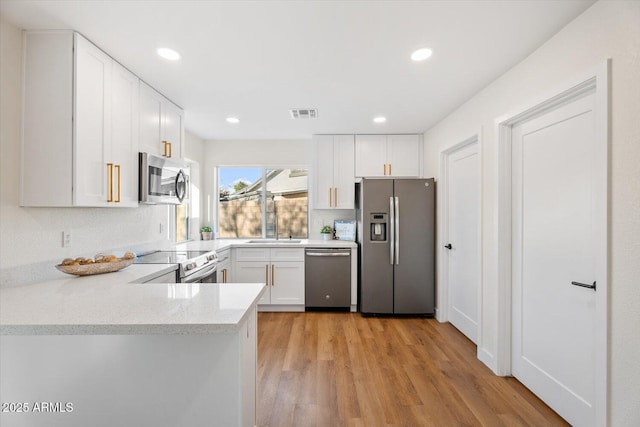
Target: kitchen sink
270	241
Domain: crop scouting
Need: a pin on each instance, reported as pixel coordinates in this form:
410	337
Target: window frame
263	196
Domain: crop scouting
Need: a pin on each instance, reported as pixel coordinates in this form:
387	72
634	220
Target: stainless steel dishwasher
327	278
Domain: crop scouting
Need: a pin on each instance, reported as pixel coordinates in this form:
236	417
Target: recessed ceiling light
167	53
421	54
380	119
233	120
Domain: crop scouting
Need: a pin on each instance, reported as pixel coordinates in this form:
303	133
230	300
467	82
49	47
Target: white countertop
106	305
113	303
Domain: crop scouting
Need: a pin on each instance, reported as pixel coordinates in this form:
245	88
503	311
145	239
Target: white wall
33	235
609	29
257	152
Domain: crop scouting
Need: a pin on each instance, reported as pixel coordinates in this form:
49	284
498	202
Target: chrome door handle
328	254
392	238
396	215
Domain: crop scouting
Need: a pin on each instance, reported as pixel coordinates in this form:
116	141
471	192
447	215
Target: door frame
443	231
594	81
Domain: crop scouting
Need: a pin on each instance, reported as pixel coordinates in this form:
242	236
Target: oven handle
200	275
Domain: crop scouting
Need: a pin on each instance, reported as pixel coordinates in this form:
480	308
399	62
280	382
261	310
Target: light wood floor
341	369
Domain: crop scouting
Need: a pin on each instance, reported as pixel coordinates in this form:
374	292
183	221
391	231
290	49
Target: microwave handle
181	190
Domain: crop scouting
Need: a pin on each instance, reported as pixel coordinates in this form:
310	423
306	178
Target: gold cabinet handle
266	274
273	275
385	168
330	204
389	168
170	149
165	153
110	166
335	197
119	184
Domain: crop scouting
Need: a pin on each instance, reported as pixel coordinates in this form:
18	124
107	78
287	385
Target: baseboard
488	359
281	308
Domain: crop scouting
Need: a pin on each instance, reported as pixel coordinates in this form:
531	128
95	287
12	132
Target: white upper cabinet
161	124
388	155
404	155
92	111
371	155
334	171
150	120
173	135
124	134
80	140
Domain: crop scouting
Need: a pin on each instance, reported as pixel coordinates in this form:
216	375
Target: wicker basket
95	268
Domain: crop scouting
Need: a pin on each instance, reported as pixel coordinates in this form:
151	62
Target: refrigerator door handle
396	216
392	237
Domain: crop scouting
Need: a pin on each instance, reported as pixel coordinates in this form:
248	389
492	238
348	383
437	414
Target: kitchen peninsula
103	352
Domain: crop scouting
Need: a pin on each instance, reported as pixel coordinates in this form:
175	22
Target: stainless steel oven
193	266
162	180
208	274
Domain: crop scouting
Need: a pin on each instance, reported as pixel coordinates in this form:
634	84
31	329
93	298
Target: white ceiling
349	59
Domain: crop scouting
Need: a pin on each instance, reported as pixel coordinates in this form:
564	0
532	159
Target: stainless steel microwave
162	181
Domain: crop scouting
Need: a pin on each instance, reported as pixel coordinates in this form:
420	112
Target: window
247	208
182	222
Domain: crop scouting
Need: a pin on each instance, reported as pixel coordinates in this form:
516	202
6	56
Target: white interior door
555	197
463	212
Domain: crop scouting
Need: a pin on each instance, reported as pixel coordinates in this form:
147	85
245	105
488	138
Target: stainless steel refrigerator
396	238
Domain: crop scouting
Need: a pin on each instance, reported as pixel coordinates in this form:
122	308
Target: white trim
266	308
596	80
215	203
442	312
487	358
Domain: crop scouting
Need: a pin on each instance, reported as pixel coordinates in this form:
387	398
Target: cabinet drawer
252	254
287	254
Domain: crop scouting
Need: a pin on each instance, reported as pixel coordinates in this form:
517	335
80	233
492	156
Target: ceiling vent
303	113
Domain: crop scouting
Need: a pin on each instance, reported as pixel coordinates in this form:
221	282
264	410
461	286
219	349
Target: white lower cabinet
282	269
155	379
224	267
249	369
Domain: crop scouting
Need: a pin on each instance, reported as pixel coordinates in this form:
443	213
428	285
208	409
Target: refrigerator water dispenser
378	231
